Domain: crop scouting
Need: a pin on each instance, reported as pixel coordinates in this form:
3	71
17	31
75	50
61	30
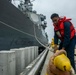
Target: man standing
65	31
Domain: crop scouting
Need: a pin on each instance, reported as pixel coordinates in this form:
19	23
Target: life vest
59	29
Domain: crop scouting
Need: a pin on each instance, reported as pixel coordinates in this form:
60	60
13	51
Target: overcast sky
62	7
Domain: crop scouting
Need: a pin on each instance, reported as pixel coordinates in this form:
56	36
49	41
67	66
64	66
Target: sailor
65	31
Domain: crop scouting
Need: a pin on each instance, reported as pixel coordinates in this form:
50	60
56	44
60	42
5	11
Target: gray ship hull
16	29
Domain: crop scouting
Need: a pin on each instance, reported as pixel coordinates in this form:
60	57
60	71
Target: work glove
51	68
55	48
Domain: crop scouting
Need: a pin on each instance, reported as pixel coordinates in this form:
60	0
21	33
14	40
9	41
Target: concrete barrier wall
14	61
32	53
24	56
36	51
7	63
20	63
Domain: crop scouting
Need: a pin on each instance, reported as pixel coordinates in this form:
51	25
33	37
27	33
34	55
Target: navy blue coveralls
68	44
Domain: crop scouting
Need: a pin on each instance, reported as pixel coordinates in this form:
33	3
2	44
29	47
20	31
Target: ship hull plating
16	29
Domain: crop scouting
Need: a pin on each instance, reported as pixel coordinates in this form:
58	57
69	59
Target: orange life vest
60	28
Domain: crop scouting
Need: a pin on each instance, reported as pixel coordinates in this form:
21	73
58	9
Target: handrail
35	66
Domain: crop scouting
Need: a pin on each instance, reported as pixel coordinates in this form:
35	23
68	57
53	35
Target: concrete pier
7	63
